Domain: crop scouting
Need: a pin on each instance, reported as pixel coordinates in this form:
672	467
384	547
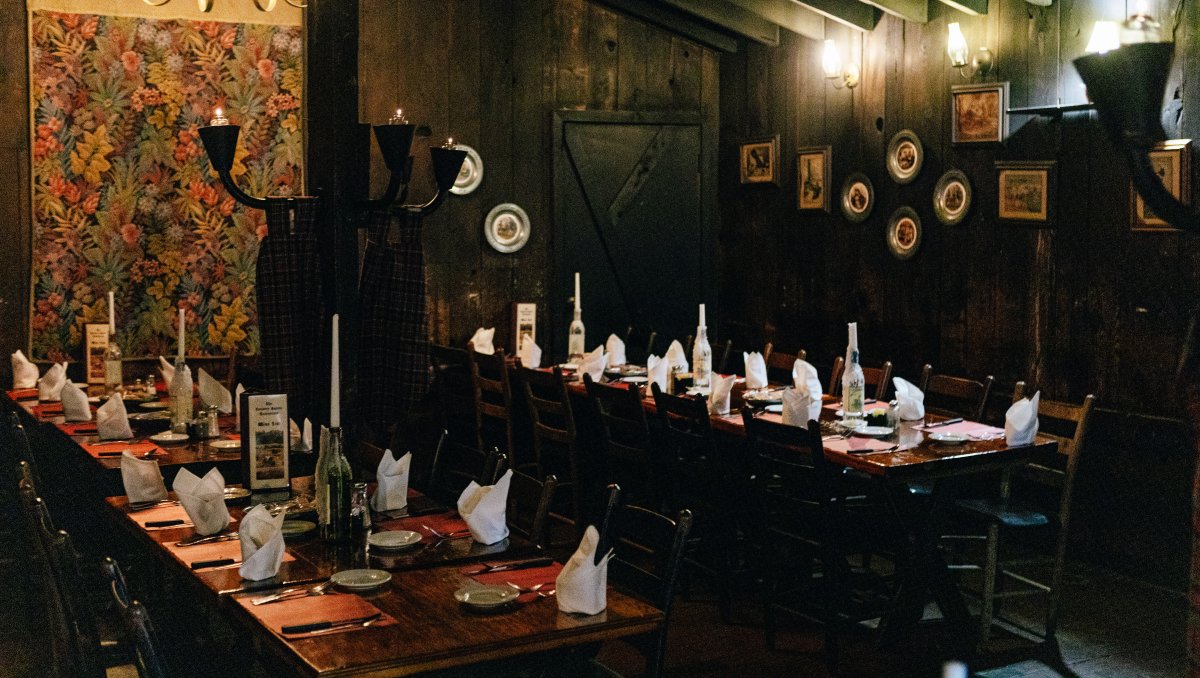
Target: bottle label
112	373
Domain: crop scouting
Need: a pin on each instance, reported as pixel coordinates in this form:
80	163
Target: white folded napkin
615	348
261	535
484	508
910	401
51	384
657	371
25	373
802	404
676	356
237	405
1021	421
391	476
203	499
718	395
168	371
142	479
530	355
213	393
301	438
482	340
582	585
756	370
112	422
75	403
594	363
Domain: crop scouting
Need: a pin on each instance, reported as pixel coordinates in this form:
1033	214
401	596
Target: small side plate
874	431
635	379
506	228
236	493
361	580
169	438
295	529
394	540
774	409
949	438
225	444
154	405
486	597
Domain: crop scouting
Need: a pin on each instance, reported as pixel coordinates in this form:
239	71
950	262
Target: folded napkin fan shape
142	479
910	401
657	370
676	357
530	354
213	393
203	499
1021	421
582	586
75	403
484	509
802	403
25	373
615	348
51	384
482	340
391	477
112	421
594	363
719	392
756	370
168	371
261	537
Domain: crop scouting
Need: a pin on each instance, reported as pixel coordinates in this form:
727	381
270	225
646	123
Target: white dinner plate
154	405
774	409
635	380
874	431
169	438
361	580
486	597
569	366
394	539
949	438
225	444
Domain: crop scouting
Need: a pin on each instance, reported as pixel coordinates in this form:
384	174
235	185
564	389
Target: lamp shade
956	46
395	142
220	142
1127	86
1106	36
446	164
831	61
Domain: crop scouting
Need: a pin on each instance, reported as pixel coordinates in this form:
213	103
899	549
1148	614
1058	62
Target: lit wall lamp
831	63
957	50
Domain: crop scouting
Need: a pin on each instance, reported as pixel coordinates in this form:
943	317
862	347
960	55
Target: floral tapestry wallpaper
124	197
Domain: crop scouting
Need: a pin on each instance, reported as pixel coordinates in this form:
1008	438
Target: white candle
853	332
335	418
112	314
577	306
182	325
702	316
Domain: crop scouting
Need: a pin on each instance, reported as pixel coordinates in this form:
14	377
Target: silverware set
143	505
324	626
293	593
536	588
200	539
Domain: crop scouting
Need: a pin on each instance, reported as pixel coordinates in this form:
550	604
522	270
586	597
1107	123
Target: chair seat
1005	512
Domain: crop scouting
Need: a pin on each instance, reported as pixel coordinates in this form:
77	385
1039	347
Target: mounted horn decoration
220	142
395	141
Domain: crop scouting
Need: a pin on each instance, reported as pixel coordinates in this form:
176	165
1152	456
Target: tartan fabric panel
393	340
290	312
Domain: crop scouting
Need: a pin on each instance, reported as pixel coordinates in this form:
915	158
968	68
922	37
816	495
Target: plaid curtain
393	339
290	308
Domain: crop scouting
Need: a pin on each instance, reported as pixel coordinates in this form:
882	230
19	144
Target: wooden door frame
707	172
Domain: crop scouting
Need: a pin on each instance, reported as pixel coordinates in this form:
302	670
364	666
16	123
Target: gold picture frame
1172	162
1025	192
814	176
979	114
758	161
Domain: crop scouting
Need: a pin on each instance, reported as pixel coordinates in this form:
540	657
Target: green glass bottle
335	484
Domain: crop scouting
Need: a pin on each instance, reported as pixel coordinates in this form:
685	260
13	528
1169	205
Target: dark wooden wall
490	73
1083	307
14	187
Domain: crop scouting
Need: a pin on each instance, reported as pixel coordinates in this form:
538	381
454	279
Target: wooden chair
877	379
150	661
627	449
493	402
954	396
555	446
634	342
721	352
454	390
455	466
529	501
780	364
1014	510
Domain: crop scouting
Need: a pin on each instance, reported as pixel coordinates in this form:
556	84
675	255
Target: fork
290	594
536	588
447	535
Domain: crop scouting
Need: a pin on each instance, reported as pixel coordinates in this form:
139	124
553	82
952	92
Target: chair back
780	364
639	344
456	465
721	351
628	451
529	501
150	662
83	639
554	440
493	399
687	447
954	396
794	484
1065	424
455	392
878	380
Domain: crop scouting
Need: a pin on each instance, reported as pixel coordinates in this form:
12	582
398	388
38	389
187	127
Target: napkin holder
266	441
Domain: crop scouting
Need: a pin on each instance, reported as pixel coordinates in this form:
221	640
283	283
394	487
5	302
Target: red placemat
857	444
970	428
442	522
159	514
877	405
114	450
78	428
542	577
42	410
23	394
216	550
311	609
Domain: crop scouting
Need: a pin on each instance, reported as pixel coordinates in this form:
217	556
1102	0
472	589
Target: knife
198	539
164	523
323	625
222	562
944	423
517	565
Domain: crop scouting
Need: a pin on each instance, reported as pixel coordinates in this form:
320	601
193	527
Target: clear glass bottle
853	382
575	340
181	397
334	499
701	355
112	364
360	512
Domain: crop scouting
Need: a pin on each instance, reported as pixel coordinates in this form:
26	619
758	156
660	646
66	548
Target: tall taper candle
577	306
112	314
702	316
335	417
182	325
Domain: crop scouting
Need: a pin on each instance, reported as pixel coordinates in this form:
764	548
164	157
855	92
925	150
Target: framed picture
979	113
858	198
758	161
97	345
814	168
952	197
1171	161
266	441
524	328
1025	191
905	155
904	233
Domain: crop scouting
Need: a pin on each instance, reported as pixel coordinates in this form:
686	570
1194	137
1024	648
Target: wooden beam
796	18
972	7
856	15
916	11
676	21
731	18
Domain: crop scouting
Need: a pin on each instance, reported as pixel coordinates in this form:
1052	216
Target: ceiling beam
732	18
856	15
972	7
916	11
673	20
789	15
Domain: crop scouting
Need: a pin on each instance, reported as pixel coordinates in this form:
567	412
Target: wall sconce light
831	63
957	50
1106	36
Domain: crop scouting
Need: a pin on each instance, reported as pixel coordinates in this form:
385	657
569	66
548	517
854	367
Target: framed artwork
952	197
266	441
758	161
904	233
1171	161
905	156
814	168
1025	191
858	198
979	113
96	342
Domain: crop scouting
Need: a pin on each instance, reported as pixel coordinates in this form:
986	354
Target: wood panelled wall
1086	306
15	230
490	73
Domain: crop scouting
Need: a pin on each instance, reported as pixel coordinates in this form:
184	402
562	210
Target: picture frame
979	114
858	198
96	345
1025	192
952	197
1172	162
266	441
758	161
905	156
814	177
904	233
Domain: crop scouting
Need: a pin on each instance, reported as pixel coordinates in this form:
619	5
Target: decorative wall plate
952	197
506	228
858	198
904	156
470	175
904	233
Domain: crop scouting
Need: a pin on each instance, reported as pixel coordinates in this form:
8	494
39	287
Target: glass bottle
334	500
701	355
575	339
181	397
112	364
360	512
853	382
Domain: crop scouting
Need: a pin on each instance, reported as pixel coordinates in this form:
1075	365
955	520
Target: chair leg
988	586
1055	595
